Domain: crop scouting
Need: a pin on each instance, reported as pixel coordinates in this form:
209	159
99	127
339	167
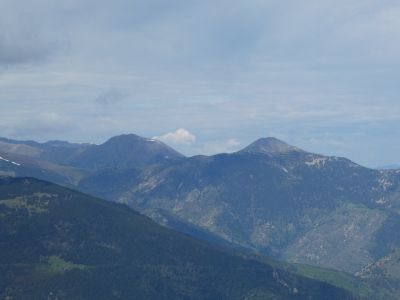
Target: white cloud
225	146
46	124
180	137
28	32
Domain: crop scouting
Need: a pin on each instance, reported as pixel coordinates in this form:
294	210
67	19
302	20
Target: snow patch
9	161
153	141
317	161
381	200
385	183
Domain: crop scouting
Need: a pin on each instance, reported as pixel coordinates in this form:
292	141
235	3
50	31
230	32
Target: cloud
19	49
224	146
45	125
110	97
27	32
180	137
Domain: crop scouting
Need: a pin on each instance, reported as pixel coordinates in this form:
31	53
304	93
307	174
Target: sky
205	76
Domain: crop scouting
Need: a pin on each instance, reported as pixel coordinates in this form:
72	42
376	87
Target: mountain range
270	198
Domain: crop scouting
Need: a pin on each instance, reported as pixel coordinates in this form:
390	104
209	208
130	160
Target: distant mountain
126	151
59	244
58	152
388	167
269	146
69	164
120	152
23	165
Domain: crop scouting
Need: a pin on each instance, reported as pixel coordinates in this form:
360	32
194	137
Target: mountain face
384	272
269	146
82	164
125	151
293	205
270	197
58	152
56	243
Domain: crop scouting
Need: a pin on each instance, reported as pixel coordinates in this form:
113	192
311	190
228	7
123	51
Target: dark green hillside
59	244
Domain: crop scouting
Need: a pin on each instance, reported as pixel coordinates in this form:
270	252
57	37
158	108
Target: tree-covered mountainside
56	243
384	272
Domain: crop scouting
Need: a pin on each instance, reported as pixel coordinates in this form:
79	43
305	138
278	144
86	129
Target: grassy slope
365	289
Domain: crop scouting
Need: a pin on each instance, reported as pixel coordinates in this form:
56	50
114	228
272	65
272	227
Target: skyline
205	77
187	137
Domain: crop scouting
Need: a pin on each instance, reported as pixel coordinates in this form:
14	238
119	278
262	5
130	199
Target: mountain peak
126	151
269	145
127	139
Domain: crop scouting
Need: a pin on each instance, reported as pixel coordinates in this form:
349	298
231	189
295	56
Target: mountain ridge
295	205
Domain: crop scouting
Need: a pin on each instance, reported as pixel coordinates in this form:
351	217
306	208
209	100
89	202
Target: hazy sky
205	76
